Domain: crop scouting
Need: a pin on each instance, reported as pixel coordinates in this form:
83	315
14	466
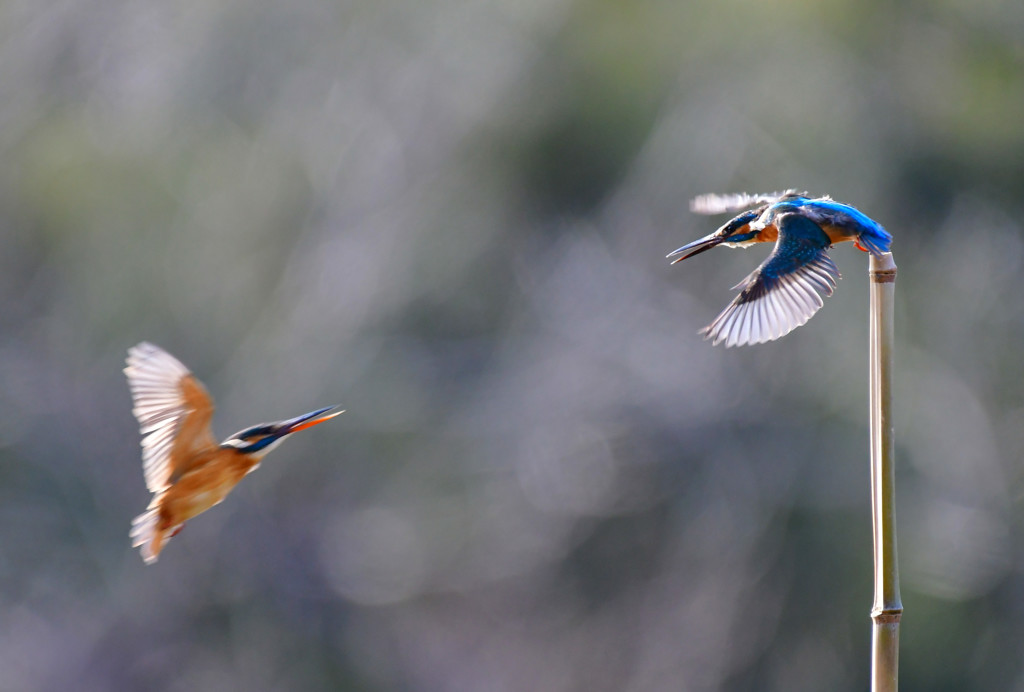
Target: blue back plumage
827	212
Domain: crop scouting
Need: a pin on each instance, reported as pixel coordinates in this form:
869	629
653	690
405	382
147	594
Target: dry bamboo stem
887	608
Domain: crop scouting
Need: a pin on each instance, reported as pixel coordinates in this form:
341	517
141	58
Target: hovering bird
782	293
185	468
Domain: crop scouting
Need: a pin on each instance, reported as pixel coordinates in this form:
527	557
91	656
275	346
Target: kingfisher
785	290
184	467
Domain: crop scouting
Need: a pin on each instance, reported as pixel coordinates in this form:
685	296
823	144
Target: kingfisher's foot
860	247
177	530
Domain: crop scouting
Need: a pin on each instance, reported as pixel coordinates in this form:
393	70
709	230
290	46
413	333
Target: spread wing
719	204
173	409
783	293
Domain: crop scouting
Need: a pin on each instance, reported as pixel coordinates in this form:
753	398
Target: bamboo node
886	617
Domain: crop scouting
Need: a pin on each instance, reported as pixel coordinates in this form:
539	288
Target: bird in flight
784	291
185	468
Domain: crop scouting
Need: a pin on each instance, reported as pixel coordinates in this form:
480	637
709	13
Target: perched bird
185	468
782	293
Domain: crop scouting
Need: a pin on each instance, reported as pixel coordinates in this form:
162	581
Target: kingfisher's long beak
696	247
307	420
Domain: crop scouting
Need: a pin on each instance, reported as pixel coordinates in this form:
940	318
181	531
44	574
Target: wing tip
146	357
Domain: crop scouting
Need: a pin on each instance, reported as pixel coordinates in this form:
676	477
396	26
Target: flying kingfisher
782	293
185	468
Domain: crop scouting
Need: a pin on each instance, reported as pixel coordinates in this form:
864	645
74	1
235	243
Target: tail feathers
146	533
876	243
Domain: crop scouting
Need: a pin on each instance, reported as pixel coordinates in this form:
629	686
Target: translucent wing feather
720	204
173	410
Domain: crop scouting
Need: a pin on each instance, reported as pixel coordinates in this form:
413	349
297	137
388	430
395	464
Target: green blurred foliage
451	219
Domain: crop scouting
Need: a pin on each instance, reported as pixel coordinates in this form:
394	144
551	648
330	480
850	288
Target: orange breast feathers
206	484
837	234
768	234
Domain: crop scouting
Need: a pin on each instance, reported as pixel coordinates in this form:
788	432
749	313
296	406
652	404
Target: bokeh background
451	218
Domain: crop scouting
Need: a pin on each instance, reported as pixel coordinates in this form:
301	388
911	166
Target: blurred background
451	219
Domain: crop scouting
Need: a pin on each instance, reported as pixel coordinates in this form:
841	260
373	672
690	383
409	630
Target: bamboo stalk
887	608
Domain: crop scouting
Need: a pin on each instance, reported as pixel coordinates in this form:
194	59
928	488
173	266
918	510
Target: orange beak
308	420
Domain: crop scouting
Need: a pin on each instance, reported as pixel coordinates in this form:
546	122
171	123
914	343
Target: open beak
696	247
308	420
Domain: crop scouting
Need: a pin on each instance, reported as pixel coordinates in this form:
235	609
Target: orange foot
860	247
177	530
